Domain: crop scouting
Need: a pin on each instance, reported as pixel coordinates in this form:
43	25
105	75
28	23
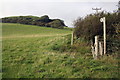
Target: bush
90	26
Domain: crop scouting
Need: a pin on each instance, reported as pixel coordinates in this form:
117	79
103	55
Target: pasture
27	52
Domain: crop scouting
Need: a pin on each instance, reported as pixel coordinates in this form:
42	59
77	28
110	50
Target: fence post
100	48
72	38
93	51
96	47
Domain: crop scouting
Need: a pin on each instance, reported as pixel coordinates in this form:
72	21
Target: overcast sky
67	10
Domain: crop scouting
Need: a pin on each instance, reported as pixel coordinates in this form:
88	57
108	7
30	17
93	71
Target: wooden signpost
104	34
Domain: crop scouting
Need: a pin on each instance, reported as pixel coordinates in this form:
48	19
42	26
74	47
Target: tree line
34	20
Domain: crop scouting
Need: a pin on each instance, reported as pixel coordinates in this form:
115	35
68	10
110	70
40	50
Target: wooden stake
72	38
100	48
96	47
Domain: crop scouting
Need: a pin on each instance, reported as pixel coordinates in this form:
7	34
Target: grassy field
30	52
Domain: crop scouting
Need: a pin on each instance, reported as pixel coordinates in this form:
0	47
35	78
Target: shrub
90	26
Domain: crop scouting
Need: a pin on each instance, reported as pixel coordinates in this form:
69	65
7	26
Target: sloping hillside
28	53
19	30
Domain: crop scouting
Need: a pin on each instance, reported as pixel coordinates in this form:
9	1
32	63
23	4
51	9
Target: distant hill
34	20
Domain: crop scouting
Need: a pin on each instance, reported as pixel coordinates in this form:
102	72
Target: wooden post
72	38
93	51
96	47
104	36
100	48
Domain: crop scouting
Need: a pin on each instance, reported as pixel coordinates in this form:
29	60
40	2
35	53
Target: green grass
11	30
28	53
